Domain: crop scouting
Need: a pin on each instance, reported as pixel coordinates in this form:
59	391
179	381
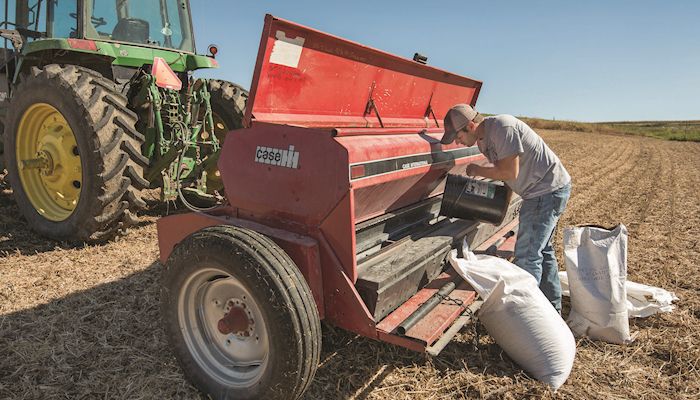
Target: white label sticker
283	158
414	164
286	51
480	188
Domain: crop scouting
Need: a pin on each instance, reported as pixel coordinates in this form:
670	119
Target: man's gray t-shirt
541	171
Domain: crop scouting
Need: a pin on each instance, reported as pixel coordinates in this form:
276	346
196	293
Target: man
530	168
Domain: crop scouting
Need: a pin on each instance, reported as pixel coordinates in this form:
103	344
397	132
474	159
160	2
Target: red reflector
357	171
165	77
81	44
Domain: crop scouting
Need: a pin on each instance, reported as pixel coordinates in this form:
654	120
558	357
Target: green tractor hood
125	55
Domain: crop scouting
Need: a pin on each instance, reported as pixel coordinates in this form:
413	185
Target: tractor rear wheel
228	102
73	155
239	316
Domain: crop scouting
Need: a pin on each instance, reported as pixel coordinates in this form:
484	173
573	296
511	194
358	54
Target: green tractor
98	103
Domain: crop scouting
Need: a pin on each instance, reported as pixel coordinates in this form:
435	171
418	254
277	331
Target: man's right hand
472	170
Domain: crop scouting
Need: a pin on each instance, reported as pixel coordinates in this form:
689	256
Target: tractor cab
153	23
127	33
114	33
156	23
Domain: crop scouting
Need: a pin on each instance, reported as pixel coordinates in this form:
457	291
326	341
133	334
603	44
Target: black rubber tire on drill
275	286
108	144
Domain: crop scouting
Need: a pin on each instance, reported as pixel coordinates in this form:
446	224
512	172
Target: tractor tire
271	351
90	189
228	102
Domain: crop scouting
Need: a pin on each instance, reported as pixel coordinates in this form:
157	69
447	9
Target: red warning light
81	44
165	77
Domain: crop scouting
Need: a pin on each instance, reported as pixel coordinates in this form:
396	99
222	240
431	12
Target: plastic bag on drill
519	317
596	265
642	300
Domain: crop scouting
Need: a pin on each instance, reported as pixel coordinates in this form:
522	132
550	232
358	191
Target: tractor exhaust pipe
425	308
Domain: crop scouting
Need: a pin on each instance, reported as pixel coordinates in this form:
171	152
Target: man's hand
472	170
503	170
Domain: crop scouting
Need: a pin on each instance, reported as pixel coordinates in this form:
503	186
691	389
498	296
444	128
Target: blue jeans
533	249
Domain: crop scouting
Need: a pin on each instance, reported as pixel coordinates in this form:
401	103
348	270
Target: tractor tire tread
137	181
111	159
129	130
229	92
117	169
135	154
108	220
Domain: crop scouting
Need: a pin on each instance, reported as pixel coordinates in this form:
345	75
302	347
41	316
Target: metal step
437	328
435	348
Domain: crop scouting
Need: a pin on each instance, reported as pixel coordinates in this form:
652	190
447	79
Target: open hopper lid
309	78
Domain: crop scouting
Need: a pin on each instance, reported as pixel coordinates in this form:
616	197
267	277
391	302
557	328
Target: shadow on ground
108	342
17	237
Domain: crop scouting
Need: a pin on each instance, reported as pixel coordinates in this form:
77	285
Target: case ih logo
283	158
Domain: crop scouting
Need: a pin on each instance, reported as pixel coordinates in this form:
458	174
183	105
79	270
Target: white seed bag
642	300
596	265
519	317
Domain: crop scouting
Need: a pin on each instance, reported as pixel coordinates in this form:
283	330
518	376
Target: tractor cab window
36	19
161	23
63	18
27	16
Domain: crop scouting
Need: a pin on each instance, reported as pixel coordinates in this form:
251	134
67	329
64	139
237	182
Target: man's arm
506	169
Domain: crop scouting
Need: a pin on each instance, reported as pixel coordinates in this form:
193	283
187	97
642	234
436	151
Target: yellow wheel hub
214	181
48	162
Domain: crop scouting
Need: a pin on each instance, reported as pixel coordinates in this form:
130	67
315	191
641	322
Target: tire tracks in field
602	177
660	253
680	219
590	169
648	199
624	196
575	153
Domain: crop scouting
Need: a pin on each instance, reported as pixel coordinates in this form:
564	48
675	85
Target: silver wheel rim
235	359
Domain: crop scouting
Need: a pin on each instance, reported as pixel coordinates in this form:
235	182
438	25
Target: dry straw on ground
84	322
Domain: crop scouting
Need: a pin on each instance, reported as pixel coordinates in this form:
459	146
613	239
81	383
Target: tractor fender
41	57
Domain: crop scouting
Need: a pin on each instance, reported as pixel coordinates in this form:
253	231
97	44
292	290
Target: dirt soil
84	322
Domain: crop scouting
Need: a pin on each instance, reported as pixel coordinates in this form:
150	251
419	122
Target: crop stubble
84	322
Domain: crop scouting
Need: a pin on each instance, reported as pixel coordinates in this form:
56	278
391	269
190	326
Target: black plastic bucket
481	200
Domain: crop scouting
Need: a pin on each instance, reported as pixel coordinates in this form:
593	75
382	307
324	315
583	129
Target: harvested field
84	322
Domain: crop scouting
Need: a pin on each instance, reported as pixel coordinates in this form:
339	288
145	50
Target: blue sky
583	60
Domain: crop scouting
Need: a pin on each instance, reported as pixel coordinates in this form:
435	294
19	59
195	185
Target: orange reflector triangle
165	77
